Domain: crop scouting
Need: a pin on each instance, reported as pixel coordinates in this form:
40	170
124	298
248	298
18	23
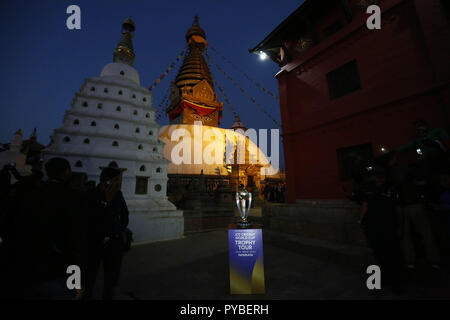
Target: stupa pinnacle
124	52
192	96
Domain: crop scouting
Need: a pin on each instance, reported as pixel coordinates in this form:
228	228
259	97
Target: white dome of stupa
120	71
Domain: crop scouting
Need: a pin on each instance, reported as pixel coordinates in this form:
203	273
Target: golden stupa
194	144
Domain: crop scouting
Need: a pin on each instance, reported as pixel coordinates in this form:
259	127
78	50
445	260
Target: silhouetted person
90	186
429	146
5	188
265	191
443	208
11	207
395	172
5	181
272	194
414	195
78	182
426	139
7	214
108	219
49	235
379	214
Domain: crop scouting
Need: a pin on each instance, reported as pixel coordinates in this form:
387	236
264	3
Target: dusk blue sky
43	63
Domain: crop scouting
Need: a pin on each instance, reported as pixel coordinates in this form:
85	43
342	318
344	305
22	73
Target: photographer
427	140
108	215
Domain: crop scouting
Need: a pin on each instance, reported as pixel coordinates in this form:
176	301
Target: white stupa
112	122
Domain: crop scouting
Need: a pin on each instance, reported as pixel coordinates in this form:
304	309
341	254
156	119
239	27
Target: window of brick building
332	28
343	80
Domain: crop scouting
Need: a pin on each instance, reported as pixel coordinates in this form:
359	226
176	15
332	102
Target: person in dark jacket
415	193
13	197
380	217
108	215
49	235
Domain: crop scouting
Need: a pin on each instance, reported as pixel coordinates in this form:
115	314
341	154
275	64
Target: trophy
243	202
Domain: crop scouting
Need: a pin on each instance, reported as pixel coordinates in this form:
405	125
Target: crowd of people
47	226
405	207
274	192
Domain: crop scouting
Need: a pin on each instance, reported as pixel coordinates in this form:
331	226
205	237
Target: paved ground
196	267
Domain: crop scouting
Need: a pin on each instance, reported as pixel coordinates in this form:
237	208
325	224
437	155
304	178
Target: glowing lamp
262	55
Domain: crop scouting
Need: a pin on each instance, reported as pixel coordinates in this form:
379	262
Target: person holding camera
108	216
426	139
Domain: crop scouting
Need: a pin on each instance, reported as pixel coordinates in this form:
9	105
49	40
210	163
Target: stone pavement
196	267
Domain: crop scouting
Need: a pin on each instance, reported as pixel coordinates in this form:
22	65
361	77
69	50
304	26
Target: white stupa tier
112	121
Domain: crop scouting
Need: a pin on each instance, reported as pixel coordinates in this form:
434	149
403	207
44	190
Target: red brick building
344	88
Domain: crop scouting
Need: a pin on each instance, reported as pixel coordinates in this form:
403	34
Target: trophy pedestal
246	259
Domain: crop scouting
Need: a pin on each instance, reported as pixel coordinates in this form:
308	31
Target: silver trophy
244	203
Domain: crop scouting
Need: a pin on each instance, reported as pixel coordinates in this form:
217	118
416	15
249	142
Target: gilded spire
192	97
238	124
124	52
195	30
194	68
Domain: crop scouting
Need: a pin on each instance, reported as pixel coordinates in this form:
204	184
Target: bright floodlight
262	55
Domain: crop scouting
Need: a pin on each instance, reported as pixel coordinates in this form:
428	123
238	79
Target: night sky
43	63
